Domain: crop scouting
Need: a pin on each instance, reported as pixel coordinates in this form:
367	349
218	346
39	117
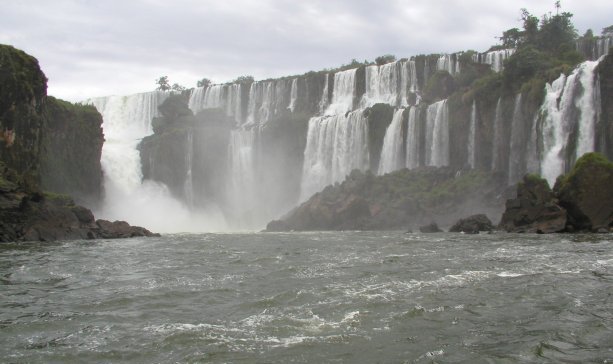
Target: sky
93	48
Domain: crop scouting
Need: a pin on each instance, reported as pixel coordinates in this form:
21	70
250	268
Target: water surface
338	297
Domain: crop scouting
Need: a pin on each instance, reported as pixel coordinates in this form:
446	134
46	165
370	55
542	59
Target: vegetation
542	46
163	83
248	79
205	82
387	58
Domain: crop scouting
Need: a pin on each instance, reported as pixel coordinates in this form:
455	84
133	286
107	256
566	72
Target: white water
472	136
413	140
293	95
335	145
391	152
565	97
127	119
516	141
449	63
497	140
241	192
343	93
226	97
494	58
437	134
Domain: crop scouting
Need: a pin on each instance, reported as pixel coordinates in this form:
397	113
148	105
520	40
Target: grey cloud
92	48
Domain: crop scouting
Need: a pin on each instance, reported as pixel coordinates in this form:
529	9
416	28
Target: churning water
344	297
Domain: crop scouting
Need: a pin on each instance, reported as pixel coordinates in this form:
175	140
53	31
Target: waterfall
392	151
437	134
226	97
343	92
472	136
324	101
293	95
188	186
413	139
335	145
516	143
570	105
382	85
589	105
449	63
497	137
126	120
241	188
494	58
267	99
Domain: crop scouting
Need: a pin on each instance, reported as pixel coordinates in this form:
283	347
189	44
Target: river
320	297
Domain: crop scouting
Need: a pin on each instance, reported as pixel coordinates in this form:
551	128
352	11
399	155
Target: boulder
587	193
472	224
120	230
535	210
430	228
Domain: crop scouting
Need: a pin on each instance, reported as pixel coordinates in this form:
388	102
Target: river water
338	297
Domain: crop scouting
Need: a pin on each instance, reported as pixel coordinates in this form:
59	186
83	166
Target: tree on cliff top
163	83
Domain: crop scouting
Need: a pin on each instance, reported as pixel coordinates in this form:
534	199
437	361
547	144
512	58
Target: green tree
557	33
531	27
244	79
607	30
511	38
163	83
205	82
178	88
387	58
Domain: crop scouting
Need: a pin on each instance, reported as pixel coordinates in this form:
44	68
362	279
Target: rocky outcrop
535	210
72	147
472	224
35	216
394	201
430	228
582	201
587	194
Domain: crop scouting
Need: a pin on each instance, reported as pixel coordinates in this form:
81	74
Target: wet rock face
473	224
587	193
535	210
431	228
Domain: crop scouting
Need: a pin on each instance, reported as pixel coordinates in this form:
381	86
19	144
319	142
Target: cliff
72	145
48	147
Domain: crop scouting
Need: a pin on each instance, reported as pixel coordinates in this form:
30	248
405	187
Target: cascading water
335	145
413	139
494	58
437	134
392	151
497	139
343	93
324	101
293	95
449	63
389	83
127	119
241	192
516	143
472	136
188	186
570	105
226	97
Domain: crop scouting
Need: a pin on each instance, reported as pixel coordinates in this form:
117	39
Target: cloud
92	48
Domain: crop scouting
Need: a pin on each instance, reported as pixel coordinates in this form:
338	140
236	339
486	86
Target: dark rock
120	230
587	193
534	210
430	228
395	200
472	224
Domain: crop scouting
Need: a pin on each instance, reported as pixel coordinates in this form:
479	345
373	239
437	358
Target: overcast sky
104	47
